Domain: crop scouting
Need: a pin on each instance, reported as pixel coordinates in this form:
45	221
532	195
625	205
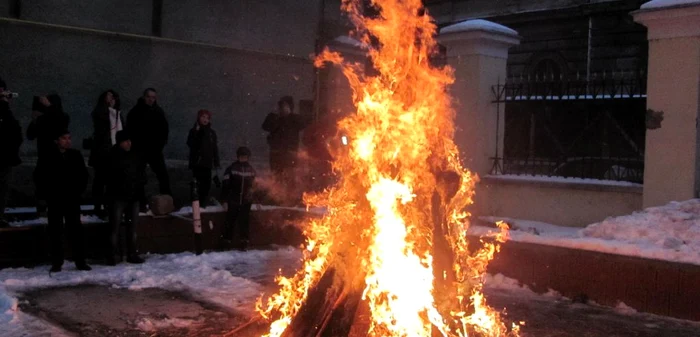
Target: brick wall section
657	287
26	246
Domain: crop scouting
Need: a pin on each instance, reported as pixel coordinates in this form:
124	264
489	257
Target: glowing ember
397	216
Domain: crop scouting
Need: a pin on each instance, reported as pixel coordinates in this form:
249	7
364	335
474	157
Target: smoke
309	175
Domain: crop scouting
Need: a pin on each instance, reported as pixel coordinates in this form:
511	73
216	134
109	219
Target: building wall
558	30
235	60
564	204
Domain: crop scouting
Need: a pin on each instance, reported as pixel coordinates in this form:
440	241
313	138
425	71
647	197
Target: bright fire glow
396	223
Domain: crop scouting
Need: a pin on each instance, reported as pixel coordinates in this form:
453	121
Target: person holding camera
204	154
107	121
48	119
148	129
62	175
284	128
10	141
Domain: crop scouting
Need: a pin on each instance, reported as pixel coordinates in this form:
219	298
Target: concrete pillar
671	155
478	52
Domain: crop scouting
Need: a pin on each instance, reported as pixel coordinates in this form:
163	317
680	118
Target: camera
9	94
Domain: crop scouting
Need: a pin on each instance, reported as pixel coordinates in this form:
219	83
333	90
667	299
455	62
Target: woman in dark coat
107	121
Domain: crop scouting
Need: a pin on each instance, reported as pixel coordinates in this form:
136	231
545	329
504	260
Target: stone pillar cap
478	37
478	25
662	4
666	19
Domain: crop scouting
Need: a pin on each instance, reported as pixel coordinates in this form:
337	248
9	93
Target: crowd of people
121	147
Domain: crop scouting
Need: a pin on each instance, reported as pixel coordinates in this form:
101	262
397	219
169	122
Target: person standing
237	198
284	128
126	178
204	154
148	129
63	177
10	141
48	119
106	121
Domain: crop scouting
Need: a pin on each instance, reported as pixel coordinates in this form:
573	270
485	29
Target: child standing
204	154
237	198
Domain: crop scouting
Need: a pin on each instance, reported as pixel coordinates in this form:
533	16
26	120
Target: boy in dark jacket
204	154
126	180
62	176
237	198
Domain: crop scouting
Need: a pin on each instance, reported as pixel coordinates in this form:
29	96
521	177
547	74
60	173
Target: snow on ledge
657	4
478	24
564	180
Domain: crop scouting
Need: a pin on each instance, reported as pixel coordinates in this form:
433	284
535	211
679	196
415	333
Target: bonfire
391	256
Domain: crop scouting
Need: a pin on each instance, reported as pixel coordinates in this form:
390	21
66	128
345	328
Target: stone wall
235	60
564	204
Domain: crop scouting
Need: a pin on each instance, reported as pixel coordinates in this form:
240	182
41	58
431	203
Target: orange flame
395	213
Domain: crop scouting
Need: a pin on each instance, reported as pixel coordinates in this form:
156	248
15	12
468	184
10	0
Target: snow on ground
670	232
44	221
668	3
232	279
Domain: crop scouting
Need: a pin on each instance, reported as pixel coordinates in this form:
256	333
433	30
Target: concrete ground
103	311
99	311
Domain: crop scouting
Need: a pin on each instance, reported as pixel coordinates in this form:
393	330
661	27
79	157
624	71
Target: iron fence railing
572	127
603	168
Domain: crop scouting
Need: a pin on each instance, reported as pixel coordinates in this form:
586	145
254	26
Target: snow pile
670	233
232	279
655	4
675	226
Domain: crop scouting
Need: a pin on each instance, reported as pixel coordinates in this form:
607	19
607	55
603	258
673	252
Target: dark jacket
204	148
126	176
46	127
61	177
284	131
238	184
101	136
10	137
148	127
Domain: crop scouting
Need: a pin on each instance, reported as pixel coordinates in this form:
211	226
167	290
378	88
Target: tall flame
398	212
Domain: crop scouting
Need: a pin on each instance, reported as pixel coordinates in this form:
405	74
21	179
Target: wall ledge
564	183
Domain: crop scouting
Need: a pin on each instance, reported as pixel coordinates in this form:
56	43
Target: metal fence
572	128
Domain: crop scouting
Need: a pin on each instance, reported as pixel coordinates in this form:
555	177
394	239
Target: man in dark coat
10	141
48	119
204	154
236	195
284	128
126	180
148	129
62	175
